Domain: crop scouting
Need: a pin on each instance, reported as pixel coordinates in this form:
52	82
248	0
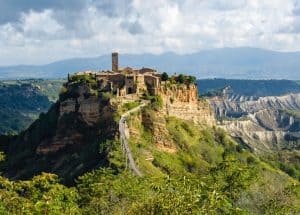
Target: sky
43	31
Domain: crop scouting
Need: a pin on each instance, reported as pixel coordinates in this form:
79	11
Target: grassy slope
200	149
207	174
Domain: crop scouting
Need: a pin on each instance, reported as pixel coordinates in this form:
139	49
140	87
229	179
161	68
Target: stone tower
115	62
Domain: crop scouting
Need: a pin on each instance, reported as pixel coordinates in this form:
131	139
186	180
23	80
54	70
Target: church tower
115	62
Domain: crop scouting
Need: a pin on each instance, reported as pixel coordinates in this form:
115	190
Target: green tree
181	78
164	76
191	79
41	195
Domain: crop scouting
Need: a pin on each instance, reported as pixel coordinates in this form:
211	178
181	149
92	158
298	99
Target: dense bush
129	105
156	102
185	79
41	195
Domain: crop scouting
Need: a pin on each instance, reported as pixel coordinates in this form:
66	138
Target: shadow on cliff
67	146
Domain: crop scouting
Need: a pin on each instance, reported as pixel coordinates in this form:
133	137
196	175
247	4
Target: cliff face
88	108
66	139
77	114
182	101
232	105
265	123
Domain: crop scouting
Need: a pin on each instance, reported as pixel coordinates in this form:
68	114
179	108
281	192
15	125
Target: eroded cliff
182	101
265	123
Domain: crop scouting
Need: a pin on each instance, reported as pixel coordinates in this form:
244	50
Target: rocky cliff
66	139
89	111
182	101
265	123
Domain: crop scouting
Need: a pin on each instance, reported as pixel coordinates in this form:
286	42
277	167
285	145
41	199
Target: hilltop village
96	97
179	93
124	81
128	81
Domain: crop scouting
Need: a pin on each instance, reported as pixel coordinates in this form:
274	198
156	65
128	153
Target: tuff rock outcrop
264	123
182	101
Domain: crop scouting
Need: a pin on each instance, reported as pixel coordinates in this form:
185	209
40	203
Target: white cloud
150	26
36	24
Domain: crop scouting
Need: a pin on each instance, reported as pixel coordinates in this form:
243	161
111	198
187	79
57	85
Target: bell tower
114	62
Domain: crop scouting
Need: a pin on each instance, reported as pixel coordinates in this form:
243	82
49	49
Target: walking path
124	135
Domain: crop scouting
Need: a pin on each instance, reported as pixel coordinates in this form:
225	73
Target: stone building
125	81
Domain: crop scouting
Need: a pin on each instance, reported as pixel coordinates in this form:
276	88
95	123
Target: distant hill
235	63
22	102
256	88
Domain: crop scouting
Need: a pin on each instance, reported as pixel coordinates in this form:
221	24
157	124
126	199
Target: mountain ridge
247	63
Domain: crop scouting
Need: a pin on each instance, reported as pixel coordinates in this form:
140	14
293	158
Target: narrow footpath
124	136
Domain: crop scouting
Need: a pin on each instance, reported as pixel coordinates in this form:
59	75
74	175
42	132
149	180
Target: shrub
130	105
157	102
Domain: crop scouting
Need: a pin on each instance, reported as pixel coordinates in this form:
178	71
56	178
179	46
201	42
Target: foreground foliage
207	173
41	195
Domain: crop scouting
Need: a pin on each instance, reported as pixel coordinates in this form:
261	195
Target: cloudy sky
42	31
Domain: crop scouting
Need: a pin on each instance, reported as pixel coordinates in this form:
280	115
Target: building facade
126	81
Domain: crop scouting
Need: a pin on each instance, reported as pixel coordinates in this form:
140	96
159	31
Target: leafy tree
181	78
164	76
191	79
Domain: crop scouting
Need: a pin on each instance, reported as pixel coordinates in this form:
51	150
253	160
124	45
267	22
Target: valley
23	100
130	107
266	123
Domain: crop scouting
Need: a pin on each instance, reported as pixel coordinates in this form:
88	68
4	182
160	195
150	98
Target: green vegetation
287	161
295	113
129	105
229	178
208	173
178	79
213	92
70	162
86	78
156	101
164	76
185	79
192	169
41	195
23	101
82	83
